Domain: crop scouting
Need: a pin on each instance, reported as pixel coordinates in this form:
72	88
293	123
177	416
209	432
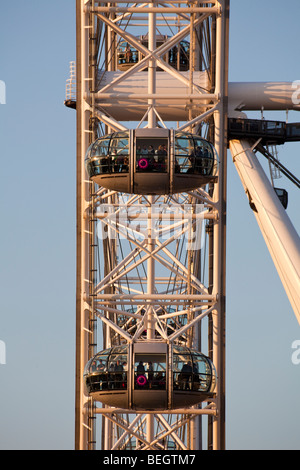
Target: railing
111	381
150	381
71	84
99	165
108	164
107	381
198	382
256	128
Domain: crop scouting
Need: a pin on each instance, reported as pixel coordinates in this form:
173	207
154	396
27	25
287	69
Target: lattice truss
183	91
127	232
177	226
131	230
172	432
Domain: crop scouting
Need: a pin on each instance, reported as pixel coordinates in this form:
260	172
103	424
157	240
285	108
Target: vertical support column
152	67
90	136
151	124
82	425
150	271
192	62
110	45
150	290
219	233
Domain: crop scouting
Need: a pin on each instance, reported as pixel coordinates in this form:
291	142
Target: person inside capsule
150	372
151	156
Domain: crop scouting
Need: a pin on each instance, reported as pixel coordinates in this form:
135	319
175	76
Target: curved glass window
194	155
184	147
108	154
192	371
119	152
203	161
96	160
107	370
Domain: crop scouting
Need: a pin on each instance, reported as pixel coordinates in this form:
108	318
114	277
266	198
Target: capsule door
152	150
150	376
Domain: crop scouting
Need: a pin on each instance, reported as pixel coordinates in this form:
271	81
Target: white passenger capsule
151	161
151	376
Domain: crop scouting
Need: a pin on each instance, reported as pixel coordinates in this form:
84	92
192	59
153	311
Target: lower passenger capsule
151	376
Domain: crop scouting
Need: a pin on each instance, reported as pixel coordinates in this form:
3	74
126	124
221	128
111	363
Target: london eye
155	117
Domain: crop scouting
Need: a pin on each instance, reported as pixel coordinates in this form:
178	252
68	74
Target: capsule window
184	148
97	159
203	157
108	155
127	54
193	156
192	371
119	153
117	370
152	155
182	370
150	371
97	363
202	373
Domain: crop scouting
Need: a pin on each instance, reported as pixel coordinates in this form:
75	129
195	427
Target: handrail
71	83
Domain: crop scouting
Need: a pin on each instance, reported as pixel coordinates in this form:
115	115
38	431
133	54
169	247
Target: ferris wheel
155	117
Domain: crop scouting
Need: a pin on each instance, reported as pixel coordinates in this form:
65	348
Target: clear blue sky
37	313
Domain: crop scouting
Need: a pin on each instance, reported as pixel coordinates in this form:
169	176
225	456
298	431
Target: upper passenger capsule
151	161
177	56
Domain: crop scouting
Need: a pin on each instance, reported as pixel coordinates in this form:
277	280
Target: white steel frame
108	298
